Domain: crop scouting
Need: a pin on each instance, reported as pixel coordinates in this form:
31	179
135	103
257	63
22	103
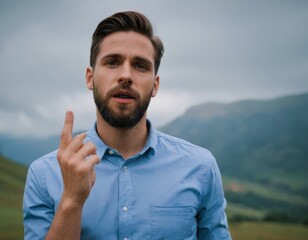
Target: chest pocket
172	222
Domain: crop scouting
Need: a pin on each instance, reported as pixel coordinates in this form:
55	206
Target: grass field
265	191
11	227
12	179
268	231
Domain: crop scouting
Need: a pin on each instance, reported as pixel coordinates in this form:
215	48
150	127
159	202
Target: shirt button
124	169
125	238
111	151
125	209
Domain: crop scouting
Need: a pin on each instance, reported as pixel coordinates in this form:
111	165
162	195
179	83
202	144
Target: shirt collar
92	136
151	142
101	147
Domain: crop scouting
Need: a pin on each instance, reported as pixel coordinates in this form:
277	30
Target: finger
92	160
87	149
93	177
66	135
76	144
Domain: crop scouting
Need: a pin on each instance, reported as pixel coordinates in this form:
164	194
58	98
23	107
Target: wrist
67	220
70	204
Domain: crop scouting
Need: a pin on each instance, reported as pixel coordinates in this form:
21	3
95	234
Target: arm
212	220
37	205
78	179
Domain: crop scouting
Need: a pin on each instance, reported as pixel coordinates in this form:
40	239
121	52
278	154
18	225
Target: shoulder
48	161
185	148
42	173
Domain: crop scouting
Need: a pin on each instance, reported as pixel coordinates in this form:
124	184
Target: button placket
125	200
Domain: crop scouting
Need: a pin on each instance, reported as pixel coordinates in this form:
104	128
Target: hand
77	161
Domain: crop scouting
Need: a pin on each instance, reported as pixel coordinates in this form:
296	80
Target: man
123	179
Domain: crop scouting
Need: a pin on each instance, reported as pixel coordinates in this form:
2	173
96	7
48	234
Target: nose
125	75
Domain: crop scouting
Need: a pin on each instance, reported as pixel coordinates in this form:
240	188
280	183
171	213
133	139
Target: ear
156	86
89	78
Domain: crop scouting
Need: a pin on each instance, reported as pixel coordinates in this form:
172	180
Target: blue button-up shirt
171	190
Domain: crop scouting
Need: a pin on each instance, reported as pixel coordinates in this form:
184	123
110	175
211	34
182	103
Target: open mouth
124	95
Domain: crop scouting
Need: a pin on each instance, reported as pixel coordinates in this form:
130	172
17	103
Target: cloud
46	118
168	105
215	51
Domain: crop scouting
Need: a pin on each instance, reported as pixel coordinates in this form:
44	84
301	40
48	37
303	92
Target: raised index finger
66	135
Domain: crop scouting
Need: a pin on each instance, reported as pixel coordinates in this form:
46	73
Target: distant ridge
26	150
250	133
212	109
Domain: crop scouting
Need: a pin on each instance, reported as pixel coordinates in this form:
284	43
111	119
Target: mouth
124	96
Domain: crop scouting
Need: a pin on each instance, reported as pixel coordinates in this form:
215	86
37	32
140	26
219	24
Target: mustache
123	87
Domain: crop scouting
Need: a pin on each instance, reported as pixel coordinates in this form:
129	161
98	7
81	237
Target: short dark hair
126	21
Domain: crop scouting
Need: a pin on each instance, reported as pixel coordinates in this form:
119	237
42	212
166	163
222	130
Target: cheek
148	91
102	92
98	87
100	81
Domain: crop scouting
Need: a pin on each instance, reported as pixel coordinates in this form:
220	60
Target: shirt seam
179	141
41	180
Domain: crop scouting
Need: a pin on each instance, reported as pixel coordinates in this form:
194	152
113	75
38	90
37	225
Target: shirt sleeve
212	220
38	208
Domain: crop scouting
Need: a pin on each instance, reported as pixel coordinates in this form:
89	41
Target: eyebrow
112	55
144	60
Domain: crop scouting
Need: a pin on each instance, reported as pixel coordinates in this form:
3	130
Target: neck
127	141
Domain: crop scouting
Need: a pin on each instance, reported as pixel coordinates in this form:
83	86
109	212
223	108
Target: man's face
123	80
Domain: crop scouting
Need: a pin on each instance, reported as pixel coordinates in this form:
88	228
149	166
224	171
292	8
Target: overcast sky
220	51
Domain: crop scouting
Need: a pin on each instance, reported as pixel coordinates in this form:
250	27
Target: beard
124	117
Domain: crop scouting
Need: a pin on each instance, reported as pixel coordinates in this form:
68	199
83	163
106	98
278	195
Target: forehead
127	43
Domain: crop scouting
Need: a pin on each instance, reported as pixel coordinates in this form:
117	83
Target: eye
112	62
141	67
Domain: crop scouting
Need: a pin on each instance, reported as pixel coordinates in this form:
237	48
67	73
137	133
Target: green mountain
12	181
261	148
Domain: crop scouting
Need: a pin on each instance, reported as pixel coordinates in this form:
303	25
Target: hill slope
12	181
26	150
251	139
260	146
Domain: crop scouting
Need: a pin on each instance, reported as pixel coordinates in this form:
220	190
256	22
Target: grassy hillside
267	231
12	177
256	201
261	148
12	180
252	139
26	150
